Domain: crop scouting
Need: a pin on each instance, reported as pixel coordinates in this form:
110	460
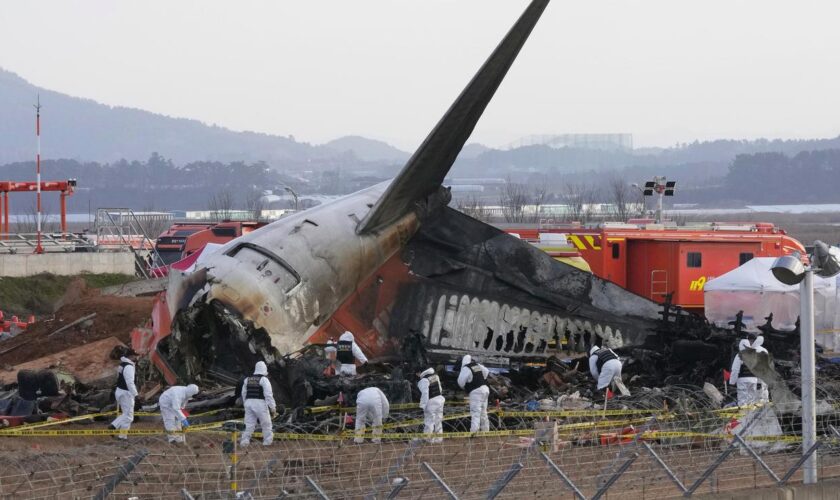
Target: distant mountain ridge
368	149
87	130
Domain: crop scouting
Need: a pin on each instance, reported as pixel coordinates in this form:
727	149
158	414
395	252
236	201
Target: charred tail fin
424	172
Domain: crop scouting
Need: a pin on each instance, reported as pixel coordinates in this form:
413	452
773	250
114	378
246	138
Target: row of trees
766	178
520	202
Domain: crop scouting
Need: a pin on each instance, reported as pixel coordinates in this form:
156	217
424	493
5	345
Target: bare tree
221	205
641	205
255	203
474	207
620	194
154	222
538	200
573	197
27	220
579	199
513	199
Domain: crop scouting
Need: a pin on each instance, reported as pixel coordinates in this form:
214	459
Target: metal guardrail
121	227
50	242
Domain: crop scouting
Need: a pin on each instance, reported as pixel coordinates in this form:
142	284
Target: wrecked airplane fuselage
462	285
288	277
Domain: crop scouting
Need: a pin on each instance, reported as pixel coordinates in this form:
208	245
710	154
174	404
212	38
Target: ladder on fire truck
119	229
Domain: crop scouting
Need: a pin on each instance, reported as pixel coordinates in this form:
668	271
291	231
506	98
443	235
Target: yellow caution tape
349	434
397	406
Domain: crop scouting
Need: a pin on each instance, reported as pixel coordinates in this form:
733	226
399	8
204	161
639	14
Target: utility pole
807	360
38	248
789	269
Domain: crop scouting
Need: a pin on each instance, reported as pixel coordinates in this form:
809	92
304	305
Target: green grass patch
107	279
38	294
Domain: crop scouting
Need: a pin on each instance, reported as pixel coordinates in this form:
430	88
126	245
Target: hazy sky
667	71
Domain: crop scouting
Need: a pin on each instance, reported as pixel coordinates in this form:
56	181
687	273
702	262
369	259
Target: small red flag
609	393
726	375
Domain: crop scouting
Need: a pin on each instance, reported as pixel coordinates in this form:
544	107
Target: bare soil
115	317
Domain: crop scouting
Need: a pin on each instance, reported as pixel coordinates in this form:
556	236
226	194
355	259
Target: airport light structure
38	247
64	188
789	269
662	187
294	195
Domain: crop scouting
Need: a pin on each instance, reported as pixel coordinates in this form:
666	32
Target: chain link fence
649	446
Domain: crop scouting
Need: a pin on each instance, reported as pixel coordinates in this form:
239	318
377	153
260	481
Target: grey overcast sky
665	70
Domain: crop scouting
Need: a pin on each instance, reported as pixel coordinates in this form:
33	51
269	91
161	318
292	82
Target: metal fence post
621	470
556	470
757	458
665	467
799	463
440	481
401	482
503	481
314	486
121	474
412	447
728	451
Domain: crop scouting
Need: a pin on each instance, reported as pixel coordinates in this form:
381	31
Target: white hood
428	371
260	368
593	350
467	359
347	336
191	391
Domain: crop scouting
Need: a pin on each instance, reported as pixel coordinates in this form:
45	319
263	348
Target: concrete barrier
66	264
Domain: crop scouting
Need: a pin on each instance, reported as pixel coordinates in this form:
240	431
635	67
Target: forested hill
87	130
775	178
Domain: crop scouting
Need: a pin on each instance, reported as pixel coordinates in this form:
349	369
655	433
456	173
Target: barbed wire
622	447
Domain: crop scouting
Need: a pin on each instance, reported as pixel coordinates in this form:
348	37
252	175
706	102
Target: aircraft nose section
240	289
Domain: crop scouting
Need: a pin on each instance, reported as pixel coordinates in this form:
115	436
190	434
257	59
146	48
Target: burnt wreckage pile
479	291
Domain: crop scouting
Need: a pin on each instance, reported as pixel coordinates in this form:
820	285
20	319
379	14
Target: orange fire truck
653	260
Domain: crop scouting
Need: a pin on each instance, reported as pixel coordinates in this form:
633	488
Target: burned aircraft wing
273	287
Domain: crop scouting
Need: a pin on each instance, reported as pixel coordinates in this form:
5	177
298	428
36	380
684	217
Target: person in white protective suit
604	366
473	379
371	404
431	402
348	353
124	393
751	389
258	400
171	402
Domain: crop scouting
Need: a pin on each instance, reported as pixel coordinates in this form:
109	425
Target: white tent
752	288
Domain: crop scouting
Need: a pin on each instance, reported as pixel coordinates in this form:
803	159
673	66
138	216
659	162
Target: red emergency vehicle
653	260
183	239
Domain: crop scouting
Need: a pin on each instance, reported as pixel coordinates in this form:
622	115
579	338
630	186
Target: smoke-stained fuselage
290	276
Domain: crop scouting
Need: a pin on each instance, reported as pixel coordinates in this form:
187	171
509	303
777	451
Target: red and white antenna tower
38	247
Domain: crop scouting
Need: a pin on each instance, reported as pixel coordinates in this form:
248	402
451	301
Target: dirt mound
115	317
